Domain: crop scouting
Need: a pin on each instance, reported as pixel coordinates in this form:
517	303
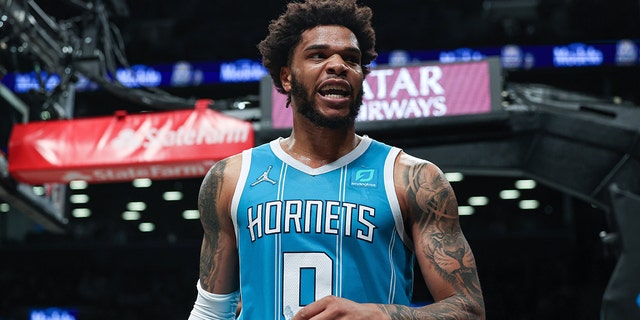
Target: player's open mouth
334	91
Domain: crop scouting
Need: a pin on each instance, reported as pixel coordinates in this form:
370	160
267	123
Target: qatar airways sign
418	91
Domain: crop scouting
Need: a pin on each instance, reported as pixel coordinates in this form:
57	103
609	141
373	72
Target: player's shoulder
407	165
227	168
220	180
406	160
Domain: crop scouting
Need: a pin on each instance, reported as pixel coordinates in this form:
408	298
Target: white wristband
214	306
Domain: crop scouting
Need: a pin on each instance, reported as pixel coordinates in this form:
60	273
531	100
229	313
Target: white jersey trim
344	160
242	180
389	185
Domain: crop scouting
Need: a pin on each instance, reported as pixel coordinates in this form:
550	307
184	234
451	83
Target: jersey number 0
308	276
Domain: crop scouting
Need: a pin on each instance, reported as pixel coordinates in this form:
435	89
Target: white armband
214	306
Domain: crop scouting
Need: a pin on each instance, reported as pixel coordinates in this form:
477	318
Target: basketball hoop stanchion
621	299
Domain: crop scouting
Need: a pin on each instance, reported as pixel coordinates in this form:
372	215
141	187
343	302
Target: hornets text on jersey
304	233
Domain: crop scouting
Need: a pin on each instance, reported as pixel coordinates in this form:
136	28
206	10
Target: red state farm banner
159	145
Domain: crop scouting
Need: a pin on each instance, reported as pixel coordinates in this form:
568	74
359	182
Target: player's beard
305	106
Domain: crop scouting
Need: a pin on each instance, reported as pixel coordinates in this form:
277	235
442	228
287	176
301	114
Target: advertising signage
620	53
179	74
123	147
413	91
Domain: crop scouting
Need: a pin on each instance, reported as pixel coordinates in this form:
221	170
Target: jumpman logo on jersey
264	177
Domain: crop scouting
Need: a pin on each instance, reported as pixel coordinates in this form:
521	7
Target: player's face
325	76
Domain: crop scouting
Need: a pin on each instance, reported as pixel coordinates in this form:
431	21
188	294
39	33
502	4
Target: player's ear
285	78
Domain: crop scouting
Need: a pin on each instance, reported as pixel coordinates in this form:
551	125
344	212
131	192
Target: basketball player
326	223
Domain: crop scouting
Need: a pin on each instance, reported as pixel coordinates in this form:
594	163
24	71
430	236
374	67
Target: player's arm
218	277
431	215
446	261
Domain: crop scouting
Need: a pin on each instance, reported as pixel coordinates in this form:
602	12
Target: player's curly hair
286	31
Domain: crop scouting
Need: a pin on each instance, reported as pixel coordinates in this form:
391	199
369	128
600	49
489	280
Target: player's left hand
334	308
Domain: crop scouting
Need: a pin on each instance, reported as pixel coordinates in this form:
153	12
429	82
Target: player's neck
317	146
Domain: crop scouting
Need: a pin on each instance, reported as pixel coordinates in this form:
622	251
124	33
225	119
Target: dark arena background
547	175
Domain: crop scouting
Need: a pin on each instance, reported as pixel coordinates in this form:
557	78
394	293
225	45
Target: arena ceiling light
190	214
136	206
78	185
142	183
509	194
172	196
466	210
528	204
131	215
79	198
38	190
454	176
478	201
525	184
81	212
146	227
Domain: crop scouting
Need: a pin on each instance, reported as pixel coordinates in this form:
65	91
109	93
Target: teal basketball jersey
304	233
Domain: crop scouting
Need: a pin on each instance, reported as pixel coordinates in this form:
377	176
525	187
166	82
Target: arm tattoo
445	310
399	312
433	208
209	193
